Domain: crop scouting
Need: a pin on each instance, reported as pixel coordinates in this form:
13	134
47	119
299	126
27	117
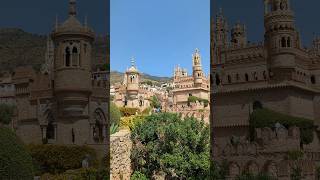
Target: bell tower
280	39
132	75
72	66
197	68
220	36
238	36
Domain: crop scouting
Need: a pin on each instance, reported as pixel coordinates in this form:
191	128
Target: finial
132	62
86	21
57	22
72	8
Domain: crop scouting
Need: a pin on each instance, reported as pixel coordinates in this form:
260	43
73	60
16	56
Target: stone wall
120	151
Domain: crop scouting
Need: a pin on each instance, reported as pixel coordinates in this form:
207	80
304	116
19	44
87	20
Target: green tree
115	114
6	113
178	147
155	102
15	161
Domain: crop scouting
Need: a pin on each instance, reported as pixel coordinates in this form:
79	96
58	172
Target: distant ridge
19	48
116	76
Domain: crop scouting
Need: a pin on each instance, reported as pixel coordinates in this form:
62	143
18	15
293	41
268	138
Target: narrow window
218	81
229	79
313	79
50	131
283	42
73	135
75	57
247	77
67	54
288	42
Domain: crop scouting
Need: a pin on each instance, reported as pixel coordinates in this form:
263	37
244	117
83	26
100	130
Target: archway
99	126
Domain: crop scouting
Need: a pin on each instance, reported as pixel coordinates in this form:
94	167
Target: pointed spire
57	22
72	8
132	62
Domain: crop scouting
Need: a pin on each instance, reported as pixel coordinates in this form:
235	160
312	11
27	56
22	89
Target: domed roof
133	68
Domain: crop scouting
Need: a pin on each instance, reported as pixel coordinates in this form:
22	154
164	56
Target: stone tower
197	68
280	39
221	36
238	35
72	66
132	75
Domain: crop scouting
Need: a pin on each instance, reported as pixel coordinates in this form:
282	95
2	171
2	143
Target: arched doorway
99	126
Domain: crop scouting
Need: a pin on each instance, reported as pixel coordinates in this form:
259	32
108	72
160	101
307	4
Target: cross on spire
72	8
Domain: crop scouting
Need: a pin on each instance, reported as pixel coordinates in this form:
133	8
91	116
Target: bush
267	118
125	111
130	122
59	158
115	114
146	111
154	102
89	173
6	113
15	161
137	175
165	142
193	99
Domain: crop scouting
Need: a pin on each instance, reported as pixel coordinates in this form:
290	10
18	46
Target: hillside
116	76
18	48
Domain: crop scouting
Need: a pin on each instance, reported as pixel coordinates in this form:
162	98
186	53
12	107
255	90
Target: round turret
72	64
197	68
132	75
280	38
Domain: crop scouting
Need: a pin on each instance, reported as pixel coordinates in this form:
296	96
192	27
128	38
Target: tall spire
72	8
133	62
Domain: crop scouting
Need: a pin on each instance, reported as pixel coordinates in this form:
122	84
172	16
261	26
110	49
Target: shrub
165	142
267	118
114	128
6	113
125	111
115	114
146	111
193	99
15	161
154	102
137	175
83	173
294	155
130	122
59	158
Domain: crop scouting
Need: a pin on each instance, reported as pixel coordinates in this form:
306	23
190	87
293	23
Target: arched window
73	135
283	42
229	79
50	131
288	42
264	75
99	126
313	79
247	77
75	57
67	56
218	81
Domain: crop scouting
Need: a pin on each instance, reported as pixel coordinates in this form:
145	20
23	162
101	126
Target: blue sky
250	12
38	16
159	34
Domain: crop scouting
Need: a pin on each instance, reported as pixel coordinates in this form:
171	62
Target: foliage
114	128
15	161
115	114
193	99
6	113
137	175
154	102
59	158
267	118
126	111
147	82
146	111
178	147
294	155
83	173
130	122
296	173
218	171
249	176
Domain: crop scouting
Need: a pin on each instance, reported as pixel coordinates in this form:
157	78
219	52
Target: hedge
126	111
115	114
15	161
267	118
59	158
6	113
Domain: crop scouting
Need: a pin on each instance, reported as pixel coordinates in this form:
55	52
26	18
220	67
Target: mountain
18	48
116	76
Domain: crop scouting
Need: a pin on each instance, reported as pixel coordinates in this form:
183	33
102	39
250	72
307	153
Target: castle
173	97
278	74
64	103
188	86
